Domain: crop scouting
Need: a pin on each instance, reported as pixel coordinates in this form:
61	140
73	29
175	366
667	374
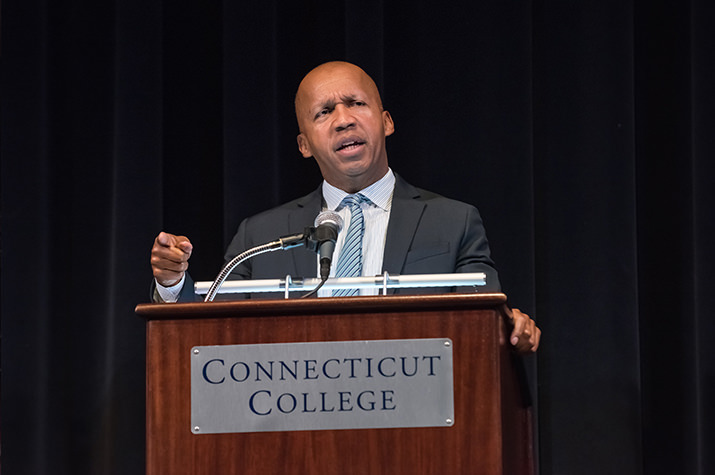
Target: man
405	230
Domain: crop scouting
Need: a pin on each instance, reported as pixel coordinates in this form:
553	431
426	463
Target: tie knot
354	201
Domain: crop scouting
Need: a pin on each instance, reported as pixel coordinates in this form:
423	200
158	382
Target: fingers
525	336
170	258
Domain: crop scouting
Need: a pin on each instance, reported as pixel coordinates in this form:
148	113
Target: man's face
343	125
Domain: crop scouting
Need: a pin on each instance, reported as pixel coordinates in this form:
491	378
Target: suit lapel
405	216
307	208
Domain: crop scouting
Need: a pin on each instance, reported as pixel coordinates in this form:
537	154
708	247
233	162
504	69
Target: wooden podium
492	428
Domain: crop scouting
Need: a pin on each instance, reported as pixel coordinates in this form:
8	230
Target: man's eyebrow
331	103
347	99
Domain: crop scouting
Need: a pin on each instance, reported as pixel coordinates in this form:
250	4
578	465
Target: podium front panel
490	433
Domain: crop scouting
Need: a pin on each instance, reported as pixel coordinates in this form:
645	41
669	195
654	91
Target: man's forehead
330	87
335	81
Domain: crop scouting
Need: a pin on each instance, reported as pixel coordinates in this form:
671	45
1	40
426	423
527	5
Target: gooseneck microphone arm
286	242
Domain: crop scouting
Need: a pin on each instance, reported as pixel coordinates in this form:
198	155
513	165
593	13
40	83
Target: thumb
184	244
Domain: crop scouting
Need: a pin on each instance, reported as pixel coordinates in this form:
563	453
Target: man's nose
343	117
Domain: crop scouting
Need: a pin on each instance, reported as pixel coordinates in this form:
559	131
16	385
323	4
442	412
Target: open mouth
350	145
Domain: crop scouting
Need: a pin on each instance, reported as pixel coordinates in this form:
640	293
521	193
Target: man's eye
322	113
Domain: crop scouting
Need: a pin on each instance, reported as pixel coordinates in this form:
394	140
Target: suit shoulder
436	199
285	209
407	191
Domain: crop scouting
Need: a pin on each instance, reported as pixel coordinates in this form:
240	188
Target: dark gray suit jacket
427	234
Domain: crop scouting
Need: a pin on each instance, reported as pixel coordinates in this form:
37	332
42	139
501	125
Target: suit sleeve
473	254
186	295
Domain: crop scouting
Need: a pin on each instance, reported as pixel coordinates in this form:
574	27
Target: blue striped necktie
350	260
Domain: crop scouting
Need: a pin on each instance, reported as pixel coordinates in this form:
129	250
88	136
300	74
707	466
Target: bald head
326	76
343	125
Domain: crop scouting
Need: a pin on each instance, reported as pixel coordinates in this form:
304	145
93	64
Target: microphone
327	226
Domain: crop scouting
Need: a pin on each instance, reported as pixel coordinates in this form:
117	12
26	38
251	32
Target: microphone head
329	217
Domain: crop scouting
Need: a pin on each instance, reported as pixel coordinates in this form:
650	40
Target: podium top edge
297	306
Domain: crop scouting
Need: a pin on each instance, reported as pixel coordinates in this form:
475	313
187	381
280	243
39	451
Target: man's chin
356	170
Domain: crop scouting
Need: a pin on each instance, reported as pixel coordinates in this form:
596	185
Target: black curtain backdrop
583	131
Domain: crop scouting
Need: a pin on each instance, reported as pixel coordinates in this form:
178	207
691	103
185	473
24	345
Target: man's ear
304	146
388	124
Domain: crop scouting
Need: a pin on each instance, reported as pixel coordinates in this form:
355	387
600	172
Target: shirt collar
379	193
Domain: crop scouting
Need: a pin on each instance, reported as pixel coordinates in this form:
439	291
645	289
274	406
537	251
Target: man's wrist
170	294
